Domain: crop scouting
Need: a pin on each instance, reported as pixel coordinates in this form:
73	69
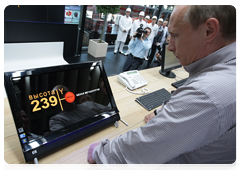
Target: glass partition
94	21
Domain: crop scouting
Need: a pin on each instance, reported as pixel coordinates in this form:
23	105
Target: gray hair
225	14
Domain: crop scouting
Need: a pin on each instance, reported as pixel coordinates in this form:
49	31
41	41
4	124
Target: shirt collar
222	55
143	39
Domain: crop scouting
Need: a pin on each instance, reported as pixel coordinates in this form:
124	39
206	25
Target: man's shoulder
155	26
144	23
149	24
60	116
129	19
136	21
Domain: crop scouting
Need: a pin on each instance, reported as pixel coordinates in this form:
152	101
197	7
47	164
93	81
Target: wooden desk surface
130	111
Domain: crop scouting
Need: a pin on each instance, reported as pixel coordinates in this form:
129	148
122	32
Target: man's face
146	20
148	32
186	44
164	24
160	23
140	17
154	21
127	13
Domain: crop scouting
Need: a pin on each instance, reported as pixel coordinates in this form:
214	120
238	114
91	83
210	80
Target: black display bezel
77	130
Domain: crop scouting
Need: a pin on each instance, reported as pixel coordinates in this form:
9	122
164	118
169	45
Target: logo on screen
23	135
24	140
70	97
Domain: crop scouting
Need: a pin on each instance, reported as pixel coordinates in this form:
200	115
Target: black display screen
52	104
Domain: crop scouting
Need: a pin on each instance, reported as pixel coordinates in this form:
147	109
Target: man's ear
212	29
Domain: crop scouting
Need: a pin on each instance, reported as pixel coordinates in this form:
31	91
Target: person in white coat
125	24
147	18
136	25
154	28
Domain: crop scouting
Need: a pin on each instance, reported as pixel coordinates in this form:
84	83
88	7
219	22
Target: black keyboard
179	83
153	100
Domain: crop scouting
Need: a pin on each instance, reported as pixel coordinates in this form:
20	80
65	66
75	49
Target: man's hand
141	38
149	117
124	30
158	56
168	39
134	35
90	151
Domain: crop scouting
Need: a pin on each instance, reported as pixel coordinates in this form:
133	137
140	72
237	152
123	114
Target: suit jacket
158	38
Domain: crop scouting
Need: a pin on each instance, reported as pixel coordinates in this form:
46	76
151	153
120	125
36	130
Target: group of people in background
158	35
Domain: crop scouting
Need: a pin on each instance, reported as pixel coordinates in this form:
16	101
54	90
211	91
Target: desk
130	111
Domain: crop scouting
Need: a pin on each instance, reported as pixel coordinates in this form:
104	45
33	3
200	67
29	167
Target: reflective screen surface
170	59
56	103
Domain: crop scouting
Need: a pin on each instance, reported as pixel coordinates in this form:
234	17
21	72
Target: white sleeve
121	23
130	26
133	29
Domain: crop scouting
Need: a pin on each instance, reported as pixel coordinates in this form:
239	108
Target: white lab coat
136	25
124	24
154	31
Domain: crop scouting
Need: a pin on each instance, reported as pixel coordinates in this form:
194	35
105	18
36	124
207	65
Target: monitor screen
50	103
169	62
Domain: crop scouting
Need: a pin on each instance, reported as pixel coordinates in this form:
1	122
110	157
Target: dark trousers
132	63
153	50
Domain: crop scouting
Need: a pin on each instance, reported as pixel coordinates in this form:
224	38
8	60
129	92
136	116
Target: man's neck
144	37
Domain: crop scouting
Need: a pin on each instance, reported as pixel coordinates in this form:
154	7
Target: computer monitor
55	106
169	62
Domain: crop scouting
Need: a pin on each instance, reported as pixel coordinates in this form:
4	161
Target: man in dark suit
156	41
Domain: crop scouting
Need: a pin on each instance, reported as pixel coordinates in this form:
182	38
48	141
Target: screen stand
116	124
35	160
168	74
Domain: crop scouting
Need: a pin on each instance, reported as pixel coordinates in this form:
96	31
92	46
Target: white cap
141	13
160	20
128	9
154	17
147	17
